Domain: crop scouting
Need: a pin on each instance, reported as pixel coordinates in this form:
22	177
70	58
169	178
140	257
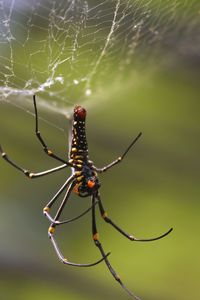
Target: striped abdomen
79	147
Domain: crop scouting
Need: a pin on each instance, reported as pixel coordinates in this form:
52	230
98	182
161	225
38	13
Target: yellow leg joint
96	237
105	215
51	230
46	209
49	152
117	277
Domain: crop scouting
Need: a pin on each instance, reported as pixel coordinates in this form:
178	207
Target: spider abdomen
79	146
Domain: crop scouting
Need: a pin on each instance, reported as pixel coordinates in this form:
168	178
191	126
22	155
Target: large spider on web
84	182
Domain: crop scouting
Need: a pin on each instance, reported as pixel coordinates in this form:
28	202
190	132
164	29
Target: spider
84	182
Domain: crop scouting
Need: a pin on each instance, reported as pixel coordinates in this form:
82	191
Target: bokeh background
145	80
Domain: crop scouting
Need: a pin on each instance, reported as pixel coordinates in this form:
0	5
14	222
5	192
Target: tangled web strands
66	48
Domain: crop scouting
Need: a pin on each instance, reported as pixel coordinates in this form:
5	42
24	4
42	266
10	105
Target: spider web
67	50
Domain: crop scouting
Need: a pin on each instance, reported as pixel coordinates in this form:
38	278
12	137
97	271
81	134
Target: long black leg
30	174
60	209
51	233
66	262
98	244
41	140
130	237
46	209
72	219
119	159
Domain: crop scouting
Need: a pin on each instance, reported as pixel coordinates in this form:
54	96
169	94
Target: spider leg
30	174
47	208
75	218
119	159
98	244
51	202
41	140
66	262
51	233
130	237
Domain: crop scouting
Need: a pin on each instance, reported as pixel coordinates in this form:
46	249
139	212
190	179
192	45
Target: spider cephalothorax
87	182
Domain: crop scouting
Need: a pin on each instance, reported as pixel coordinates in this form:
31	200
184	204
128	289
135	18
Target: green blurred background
155	188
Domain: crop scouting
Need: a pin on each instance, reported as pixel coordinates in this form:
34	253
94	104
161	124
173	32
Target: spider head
79	113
